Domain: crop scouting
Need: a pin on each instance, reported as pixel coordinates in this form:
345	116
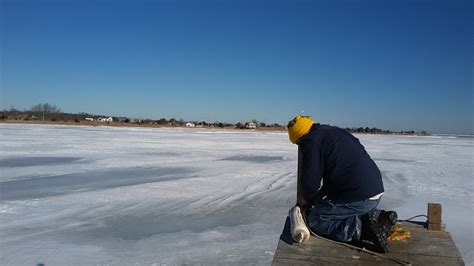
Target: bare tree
45	109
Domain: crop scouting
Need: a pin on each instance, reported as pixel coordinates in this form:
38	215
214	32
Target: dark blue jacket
334	156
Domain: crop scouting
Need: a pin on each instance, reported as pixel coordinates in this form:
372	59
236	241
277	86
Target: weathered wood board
423	248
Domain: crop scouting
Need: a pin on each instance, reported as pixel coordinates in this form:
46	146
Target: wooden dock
424	247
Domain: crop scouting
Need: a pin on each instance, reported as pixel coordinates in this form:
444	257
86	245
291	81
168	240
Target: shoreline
144	125
134	125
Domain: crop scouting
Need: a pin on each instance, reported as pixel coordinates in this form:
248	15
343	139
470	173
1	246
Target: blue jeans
338	220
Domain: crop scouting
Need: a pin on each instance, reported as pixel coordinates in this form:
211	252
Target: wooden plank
434	216
423	248
335	253
434	213
298	259
416	259
424	242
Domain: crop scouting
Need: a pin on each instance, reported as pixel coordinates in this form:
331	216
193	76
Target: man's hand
301	202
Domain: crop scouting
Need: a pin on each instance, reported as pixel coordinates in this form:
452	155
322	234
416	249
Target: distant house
250	125
103	119
89	119
189	124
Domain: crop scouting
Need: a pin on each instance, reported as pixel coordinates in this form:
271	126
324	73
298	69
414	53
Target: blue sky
397	65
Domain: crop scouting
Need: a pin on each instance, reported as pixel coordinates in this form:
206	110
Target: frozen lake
123	196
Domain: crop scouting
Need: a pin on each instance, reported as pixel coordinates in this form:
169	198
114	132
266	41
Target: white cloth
299	230
376	197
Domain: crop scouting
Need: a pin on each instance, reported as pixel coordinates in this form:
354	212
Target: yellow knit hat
298	127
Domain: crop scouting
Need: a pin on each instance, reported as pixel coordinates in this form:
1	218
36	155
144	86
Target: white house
103	119
89	119
250	125
190	124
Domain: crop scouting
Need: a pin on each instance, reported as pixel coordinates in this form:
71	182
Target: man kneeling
344	206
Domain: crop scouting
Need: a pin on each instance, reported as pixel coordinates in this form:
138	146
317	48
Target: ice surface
123	196
32	161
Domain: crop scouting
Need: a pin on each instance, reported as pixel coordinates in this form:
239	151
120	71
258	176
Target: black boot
387	219
374	236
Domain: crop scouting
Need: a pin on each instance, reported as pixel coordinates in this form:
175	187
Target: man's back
336	156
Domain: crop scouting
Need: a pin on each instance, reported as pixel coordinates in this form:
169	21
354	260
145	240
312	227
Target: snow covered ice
107	195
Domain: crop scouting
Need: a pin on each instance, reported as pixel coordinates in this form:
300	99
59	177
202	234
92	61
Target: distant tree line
38	112
48	112
374	130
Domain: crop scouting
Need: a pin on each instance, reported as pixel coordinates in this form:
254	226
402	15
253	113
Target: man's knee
336	228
